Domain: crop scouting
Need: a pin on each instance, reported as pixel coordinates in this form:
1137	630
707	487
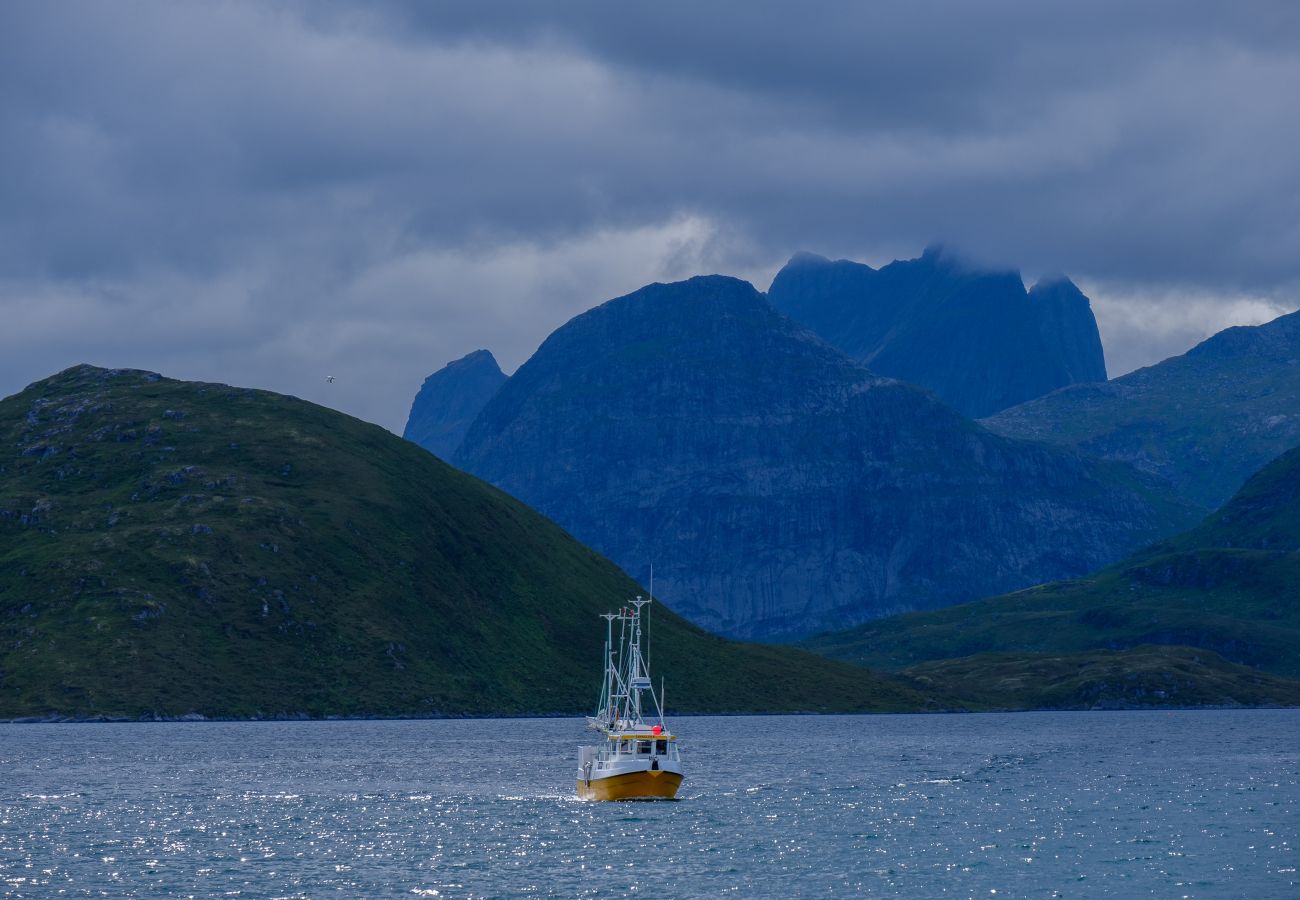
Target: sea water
1123	804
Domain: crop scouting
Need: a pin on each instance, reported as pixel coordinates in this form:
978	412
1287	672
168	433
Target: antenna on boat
610	696
647	620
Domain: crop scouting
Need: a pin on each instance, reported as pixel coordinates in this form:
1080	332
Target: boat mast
634	661
639	679
607	706
626	670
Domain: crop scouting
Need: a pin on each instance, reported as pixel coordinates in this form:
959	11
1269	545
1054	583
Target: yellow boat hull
657	785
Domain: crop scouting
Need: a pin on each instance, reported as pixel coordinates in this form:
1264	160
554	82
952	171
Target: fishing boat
638	758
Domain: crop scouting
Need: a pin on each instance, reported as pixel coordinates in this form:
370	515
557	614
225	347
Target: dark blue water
1168	804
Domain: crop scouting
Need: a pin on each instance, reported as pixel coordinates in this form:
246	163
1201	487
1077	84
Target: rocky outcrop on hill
778	487
975	337
1204	421
449	400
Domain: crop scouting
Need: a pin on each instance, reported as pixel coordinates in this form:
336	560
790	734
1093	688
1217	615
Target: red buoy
658	729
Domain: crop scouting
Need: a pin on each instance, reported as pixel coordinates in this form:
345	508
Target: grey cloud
254	192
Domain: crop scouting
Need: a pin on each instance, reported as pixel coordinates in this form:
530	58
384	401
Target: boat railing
600	757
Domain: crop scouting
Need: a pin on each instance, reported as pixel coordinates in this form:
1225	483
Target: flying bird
329	378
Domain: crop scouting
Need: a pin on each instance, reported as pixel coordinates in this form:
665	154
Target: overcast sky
268	193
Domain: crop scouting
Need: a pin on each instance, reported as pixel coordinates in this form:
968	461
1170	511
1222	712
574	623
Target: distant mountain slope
170	547
1230	585
1204	421
449	400
777	486
974	337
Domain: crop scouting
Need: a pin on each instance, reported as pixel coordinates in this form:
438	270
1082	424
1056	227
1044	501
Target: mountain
170	548
449	400
778	487
1204	421
975	337
1227	586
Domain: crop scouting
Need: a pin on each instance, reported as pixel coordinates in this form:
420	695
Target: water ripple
1199	804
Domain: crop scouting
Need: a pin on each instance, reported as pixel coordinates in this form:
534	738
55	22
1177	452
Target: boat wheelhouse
637	760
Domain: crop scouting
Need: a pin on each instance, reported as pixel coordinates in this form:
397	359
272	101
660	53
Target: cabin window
624	746
661	748
643	747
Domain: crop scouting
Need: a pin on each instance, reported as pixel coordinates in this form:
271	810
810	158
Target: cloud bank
269	193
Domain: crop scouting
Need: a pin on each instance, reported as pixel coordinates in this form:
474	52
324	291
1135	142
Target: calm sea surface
1124	804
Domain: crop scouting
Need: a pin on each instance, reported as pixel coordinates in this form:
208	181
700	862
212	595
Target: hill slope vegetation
170	548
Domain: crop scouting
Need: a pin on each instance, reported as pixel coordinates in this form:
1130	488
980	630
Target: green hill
1139	677
1230	586
171	548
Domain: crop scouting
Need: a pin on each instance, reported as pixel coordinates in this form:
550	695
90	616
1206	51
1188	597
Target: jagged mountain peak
1055	282
777	485
475	359
969	332
449	399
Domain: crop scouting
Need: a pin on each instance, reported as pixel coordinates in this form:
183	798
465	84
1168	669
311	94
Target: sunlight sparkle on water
1190	803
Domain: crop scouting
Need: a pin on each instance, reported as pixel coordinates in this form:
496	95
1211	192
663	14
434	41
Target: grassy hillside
1144	676
1230	586
170	547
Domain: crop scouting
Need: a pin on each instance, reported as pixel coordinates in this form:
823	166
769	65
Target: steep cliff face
1068	330
1227	586
976	338
1204	421
449	400
778	487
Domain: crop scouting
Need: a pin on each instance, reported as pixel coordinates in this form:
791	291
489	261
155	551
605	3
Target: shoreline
200	719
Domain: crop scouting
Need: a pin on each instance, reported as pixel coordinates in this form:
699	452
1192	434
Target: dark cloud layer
267	193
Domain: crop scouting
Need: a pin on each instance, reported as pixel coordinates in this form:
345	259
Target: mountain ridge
971	334
1203	421
768	476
